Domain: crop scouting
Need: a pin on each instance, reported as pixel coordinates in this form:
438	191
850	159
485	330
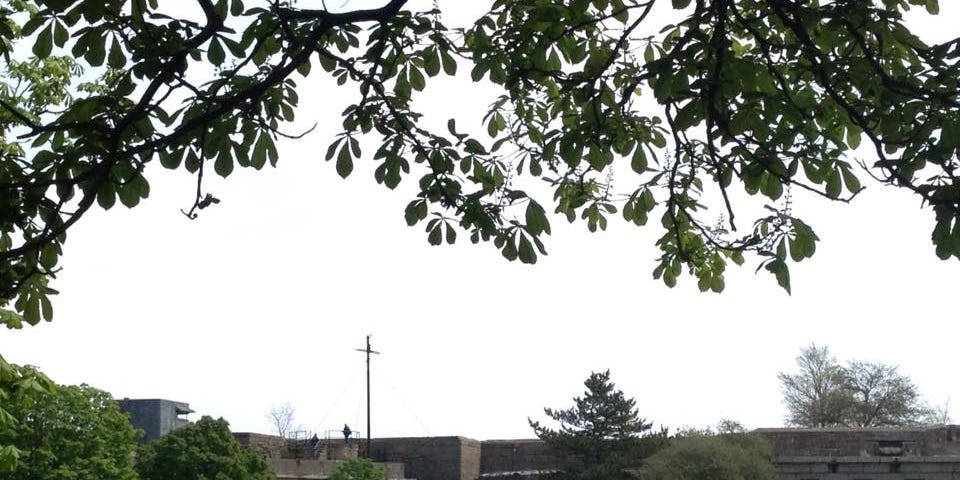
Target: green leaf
659	140
851	180
526	253
354	147
215	53
402	86
49	256
31	312
781	271
648	53
117	59
536	218
449	64
96	53
474	147
13	321
46	308
60	34
479	69
106	195
703	284
221	8
332	149
669	279
853	136
416	79
451	234
129	194
509	250
833	184
796	249
639	161
431	62
223	165
647	200
344	162
717	284
261	151
33	24
44	43
415	211
436	236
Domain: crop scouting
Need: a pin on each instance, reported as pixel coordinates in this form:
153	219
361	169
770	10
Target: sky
264	298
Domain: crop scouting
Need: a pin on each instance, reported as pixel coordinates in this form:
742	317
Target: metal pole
368	397
368	351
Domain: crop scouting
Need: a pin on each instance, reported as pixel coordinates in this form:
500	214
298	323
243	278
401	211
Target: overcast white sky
264	298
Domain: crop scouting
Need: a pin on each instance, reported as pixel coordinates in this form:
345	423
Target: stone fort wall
868	468
893	453
498	456
864	442
798	454
431	458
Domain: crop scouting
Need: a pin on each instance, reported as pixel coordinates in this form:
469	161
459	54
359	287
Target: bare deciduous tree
282	418
882	396
815	396
861	394
938	414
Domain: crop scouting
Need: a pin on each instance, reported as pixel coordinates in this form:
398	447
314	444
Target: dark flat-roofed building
155	416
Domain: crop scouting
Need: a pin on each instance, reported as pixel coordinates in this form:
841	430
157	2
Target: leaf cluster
75	432
729	112
20	387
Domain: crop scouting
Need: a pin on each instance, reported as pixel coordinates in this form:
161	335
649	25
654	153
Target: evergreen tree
601	435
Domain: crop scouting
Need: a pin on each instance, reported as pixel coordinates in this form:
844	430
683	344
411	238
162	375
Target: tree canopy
824	393
70	432
723	114
730	456
359	469
19	388
601	435
205	449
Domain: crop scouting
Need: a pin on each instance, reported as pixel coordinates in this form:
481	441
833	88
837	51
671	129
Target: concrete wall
799	454
431	458
269	445
875	468
892	453
942	440
274	446
501	456
470	456
863	442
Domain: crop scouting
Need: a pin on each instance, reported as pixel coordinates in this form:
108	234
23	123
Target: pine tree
602	436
